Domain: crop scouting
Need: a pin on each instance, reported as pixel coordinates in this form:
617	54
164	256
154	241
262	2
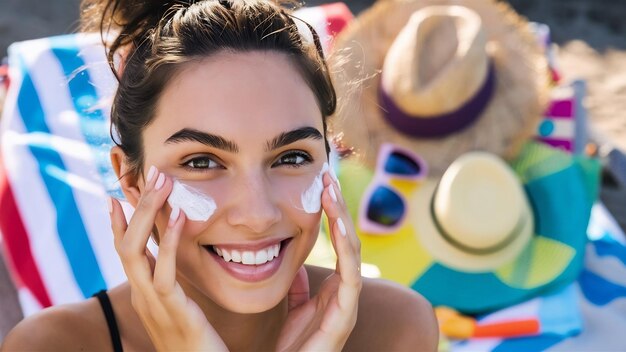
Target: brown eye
294	159
201	163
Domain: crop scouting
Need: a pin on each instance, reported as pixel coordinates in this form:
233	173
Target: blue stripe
599	290
609	247
70	227
533	343
93	124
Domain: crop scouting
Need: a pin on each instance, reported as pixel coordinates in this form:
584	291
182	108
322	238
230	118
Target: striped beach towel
55	171
54	164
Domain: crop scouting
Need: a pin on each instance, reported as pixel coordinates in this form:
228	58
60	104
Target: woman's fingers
346	245
131	238
152	200
343	233
165	270
118	221
299	291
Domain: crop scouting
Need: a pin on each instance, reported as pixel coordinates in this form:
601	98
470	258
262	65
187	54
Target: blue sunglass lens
385	207
401	164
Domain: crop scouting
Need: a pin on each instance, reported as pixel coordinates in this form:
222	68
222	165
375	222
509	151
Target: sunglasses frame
384	178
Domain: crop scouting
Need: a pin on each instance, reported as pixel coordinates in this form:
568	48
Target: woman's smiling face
246	130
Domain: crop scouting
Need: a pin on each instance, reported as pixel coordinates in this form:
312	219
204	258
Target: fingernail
151	173
331	190
342	227
159	182
174	216
110	204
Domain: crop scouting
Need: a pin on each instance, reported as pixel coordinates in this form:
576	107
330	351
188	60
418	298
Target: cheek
289	196
200	193
301	194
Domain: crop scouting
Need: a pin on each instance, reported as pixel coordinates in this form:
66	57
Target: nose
253	205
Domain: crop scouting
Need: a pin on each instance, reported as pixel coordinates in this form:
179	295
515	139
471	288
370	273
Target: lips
249	263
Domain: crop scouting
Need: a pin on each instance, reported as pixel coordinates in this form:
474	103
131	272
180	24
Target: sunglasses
383	208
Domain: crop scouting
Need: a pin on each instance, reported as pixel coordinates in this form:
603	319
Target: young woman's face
244	129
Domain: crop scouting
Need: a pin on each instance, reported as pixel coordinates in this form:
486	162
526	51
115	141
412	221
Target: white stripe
89	193
564	129
603	223
475	345
28	303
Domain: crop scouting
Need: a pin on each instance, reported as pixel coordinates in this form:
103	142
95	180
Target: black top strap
107	308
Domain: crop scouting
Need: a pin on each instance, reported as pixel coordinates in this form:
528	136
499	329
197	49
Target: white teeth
261	257
276	249
249	257
236	256
225	255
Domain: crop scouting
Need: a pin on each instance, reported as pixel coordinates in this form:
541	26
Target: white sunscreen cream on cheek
312	197
196	205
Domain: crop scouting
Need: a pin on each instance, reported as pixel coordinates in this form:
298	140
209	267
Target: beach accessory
558	188
586	315
452	79
476	217
385	208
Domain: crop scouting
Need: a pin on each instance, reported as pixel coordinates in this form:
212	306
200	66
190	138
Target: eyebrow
287	138
218	142
192	135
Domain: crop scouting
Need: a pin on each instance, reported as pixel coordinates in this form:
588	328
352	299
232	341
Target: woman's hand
173	321
324	322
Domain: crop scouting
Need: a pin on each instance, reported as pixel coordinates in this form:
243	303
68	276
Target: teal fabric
561	189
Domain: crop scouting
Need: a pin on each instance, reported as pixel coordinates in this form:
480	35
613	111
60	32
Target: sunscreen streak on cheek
196	205
312	197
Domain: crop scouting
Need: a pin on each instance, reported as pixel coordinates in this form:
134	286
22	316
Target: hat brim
521	94
453	257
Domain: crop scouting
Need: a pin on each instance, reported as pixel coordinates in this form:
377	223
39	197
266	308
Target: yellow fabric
542	261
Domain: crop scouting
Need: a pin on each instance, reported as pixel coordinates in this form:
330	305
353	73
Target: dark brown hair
156	38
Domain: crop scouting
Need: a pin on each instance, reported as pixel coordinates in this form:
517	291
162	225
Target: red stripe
4	76
17	243
338	15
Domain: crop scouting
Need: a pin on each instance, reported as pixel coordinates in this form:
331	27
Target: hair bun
129	21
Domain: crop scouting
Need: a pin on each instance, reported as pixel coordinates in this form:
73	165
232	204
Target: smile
250	263
248	257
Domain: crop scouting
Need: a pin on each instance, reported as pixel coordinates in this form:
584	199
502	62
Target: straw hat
438	79
479	216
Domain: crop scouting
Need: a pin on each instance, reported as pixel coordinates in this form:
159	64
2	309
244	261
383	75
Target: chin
252	302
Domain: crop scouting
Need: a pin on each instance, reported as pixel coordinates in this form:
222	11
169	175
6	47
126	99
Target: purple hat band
441	125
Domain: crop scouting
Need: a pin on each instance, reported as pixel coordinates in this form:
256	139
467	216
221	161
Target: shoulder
76	326
391	317
394	318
